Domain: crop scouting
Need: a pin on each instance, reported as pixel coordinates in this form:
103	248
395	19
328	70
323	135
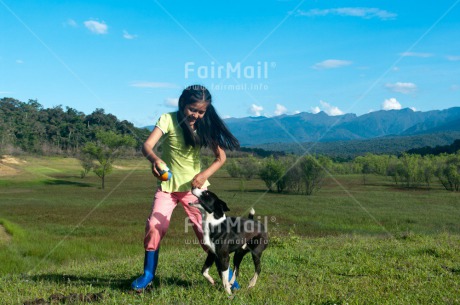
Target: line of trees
348	150
289	173
29	127
306	174
413	170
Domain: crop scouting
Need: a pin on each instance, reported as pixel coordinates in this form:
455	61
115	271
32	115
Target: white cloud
327	108
96	27
19	61
414	54
455	87
453	58
413	109
315	110
171	102
126	35
330	110
280	109
331	64
72	23
361	12
255	110
155	85
391	104
404	88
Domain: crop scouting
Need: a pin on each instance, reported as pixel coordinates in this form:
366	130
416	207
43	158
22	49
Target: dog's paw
209	278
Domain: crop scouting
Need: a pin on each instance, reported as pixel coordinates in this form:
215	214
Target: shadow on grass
109	282
119	284
66	182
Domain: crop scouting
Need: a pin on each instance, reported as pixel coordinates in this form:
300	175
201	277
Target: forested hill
419	144
29	127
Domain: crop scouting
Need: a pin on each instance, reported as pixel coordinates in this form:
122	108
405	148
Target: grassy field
349	243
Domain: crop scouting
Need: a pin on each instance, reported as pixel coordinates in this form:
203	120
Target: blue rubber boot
235	285
150	266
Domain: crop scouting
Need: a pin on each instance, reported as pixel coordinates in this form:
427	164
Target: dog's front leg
225	282
223	267
207	265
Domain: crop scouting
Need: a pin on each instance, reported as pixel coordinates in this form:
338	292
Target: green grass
349	243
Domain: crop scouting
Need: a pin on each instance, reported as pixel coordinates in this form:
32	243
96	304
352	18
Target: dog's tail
251	213
250	216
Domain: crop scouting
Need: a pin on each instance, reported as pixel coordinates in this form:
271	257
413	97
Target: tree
411	170
272	173
233	169
312	174
448	172
293	174
87	162
249	167
428	169
106	150
372	164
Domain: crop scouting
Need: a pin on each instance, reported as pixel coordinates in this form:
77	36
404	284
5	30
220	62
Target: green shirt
183	160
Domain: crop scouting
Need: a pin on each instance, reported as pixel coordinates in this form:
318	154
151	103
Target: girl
196	124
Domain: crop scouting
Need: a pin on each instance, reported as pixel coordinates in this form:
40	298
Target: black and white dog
224	235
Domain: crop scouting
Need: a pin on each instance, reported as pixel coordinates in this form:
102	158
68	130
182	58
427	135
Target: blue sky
133	58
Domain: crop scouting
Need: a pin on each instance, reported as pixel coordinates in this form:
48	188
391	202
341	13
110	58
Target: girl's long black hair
211	131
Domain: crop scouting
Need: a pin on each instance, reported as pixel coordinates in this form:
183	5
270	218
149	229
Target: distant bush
233	168
300	175
372	164
272	173
249	167
312	174
245	168
448	172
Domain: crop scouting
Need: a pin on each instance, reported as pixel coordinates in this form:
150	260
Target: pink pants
162	208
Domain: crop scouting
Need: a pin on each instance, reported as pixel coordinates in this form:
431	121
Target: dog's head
211	203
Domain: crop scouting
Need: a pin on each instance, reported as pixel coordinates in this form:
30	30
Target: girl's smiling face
195	111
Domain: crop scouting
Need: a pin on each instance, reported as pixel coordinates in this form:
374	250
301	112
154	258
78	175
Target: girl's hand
155	165
199	180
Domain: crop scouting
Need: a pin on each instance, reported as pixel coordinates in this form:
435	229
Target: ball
165	173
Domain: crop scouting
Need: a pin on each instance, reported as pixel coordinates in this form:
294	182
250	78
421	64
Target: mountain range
320	127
